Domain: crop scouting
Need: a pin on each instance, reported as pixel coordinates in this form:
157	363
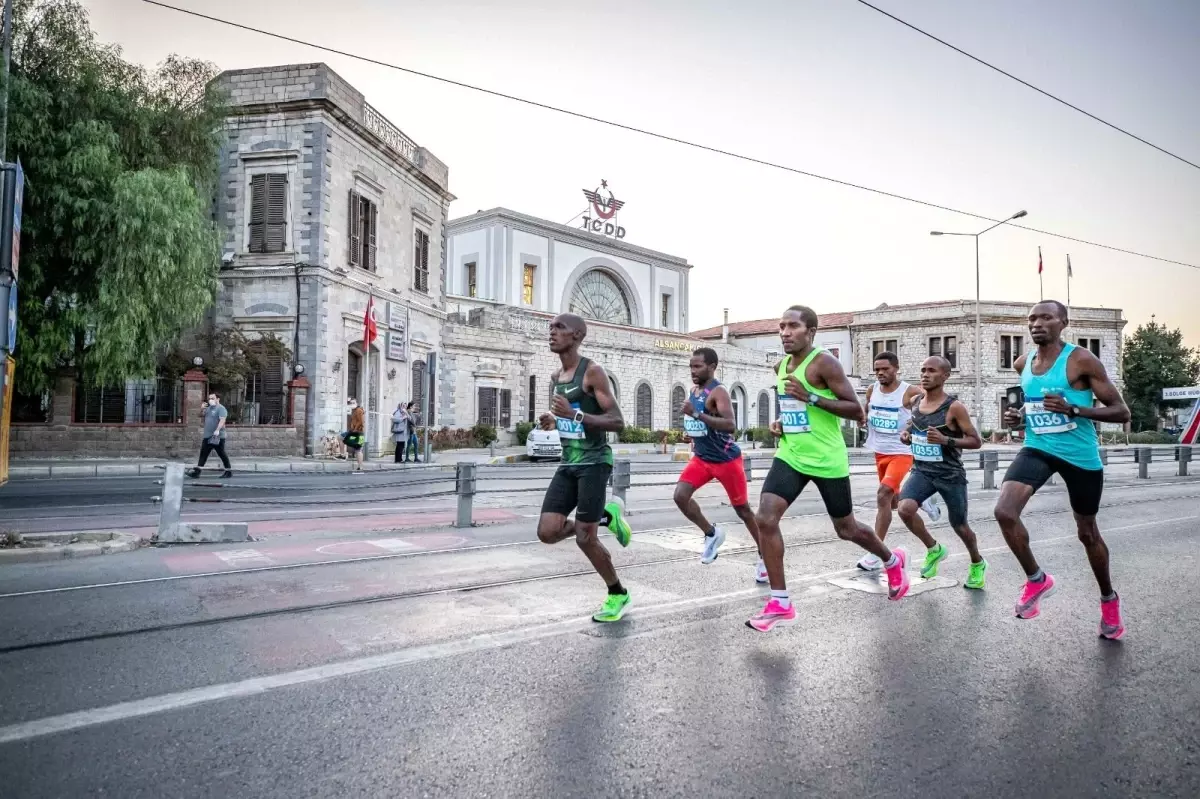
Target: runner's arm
1114	409
970	438
724	420
611	420
867	399
846	405
1014	415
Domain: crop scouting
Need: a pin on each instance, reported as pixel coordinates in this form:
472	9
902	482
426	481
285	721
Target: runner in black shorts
583	410
1061	383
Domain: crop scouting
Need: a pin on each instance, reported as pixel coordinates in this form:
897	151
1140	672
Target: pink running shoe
897	577
774	613
1031	596
1110	620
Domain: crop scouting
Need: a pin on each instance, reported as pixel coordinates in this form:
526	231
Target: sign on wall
1181	393
397	316
604	209
397	346
677	346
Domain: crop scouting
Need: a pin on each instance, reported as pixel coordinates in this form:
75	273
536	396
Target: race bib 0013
922	450
1044	422
793	415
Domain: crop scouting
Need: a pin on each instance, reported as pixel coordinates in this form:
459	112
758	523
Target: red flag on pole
1041	289
1039	260
370	330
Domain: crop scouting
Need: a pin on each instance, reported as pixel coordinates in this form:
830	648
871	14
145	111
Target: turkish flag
370	330
1039	260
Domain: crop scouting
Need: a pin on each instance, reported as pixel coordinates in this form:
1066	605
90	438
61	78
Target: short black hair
1062	310
890	357
708	354
807	315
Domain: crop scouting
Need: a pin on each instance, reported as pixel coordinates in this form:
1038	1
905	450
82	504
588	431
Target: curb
89	544
75	471
499	459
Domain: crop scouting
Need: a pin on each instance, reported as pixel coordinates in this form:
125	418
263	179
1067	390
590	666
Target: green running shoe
976	576
617	524
612	609
932	558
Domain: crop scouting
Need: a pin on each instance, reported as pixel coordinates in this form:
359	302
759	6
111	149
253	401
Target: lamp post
978	326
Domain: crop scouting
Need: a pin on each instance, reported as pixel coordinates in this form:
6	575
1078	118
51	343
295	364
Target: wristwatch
1072	411
813	398
578	417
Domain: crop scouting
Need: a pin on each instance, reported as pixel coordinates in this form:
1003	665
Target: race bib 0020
694	427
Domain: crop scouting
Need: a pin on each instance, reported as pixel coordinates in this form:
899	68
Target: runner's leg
1013	499
1029	472
694	476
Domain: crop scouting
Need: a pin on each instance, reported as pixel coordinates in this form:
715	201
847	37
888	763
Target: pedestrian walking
355	433
400	432
214	415
413	421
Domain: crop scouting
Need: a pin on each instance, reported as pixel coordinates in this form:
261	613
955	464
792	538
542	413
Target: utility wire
1027	84
652	134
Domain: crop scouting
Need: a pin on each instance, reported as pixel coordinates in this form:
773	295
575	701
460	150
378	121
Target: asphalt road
463	663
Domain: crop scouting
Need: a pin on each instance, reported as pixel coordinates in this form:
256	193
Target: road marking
877	584
241	557
254	686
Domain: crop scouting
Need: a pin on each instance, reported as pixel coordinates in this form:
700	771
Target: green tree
119	253
1155	358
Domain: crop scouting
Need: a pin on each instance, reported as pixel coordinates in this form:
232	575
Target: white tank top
886	417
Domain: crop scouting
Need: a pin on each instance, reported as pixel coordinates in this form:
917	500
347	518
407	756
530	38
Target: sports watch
578	417
813	398
1072	411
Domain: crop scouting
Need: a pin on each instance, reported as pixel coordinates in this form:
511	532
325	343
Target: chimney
725	328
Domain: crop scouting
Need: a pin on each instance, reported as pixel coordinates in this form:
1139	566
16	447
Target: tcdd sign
604	208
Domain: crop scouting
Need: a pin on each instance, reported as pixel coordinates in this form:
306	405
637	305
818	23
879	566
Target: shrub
447	438
483	434
1152	438
762	435
523	431
634	435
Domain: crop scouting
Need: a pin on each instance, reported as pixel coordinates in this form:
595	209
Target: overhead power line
1027	84
650	133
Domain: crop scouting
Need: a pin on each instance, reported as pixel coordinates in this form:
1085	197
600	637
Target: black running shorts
785	482
582	489
1033	467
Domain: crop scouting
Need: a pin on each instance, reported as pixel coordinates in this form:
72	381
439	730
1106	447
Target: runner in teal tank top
814	396
583	411
1061	383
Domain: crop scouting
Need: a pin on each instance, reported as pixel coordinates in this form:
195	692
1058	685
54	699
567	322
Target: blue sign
18	196
11	341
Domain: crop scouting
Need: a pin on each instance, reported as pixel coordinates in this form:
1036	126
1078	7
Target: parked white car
543	444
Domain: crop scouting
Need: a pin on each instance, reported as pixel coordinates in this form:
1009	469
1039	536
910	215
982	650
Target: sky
825	86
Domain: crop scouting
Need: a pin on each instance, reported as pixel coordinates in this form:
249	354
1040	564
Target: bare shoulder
595	376
914	393
1019	363
827	364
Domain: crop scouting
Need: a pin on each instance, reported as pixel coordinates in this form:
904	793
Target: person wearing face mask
214	415
355	437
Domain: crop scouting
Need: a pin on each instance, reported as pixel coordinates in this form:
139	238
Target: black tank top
936	460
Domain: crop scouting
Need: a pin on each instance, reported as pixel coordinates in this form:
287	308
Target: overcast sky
827	86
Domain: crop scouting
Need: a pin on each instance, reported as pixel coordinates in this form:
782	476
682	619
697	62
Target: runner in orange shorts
887	405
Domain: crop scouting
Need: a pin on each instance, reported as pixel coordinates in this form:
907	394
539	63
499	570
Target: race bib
569	428
793	415
922	450
694	427
884	420
1044	422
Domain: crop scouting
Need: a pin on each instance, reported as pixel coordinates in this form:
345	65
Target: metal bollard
990	462
1183	454
748	468
172	498
1104	455
465	488
620	478
1144	455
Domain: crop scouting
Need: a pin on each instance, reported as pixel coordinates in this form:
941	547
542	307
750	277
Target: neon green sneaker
932	558
613	608
617	524
976	576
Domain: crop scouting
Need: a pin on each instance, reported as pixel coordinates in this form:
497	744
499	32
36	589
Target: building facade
915	332
509	274
325	204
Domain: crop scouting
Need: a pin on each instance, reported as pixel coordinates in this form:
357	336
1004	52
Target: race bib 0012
569	428
922	450
1044	422
793	415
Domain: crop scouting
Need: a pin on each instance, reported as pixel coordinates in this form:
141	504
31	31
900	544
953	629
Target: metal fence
137	402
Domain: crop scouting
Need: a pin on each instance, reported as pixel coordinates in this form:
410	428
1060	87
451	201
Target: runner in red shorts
708	421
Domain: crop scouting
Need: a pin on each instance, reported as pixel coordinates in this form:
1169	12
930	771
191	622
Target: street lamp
978	327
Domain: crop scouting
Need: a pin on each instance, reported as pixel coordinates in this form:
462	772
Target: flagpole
367	370
1041	286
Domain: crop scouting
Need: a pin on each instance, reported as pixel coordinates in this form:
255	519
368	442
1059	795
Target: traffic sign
10	340
1181	393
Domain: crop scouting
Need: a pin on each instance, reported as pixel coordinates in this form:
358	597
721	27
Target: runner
940	426
1060	382
708	421
584	411
887	403
813	393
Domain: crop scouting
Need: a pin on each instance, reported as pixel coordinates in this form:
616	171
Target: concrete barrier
205	533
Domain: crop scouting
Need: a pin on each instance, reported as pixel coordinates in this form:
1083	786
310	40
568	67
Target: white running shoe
760	574
870	563
932	509
711	544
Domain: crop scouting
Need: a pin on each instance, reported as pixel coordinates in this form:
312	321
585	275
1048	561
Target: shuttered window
421	261
364	216
678	395
268	212
505	408
487	410
764	409
418	386
264	389
532	396
645	406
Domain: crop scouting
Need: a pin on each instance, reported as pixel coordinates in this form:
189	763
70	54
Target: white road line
122	711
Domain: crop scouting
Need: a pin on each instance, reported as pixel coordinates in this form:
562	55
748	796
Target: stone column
195	383
61	410
298	389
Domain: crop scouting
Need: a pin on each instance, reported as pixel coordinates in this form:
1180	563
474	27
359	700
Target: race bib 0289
884	420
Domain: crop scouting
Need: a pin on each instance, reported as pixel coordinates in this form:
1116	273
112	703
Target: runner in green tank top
584	411
814	396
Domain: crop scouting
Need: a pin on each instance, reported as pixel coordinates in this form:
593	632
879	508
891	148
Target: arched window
419	377
764	409
737	398
598	296
678	395
645	406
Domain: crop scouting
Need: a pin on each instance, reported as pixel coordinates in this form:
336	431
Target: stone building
326	203
508	274
914	332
